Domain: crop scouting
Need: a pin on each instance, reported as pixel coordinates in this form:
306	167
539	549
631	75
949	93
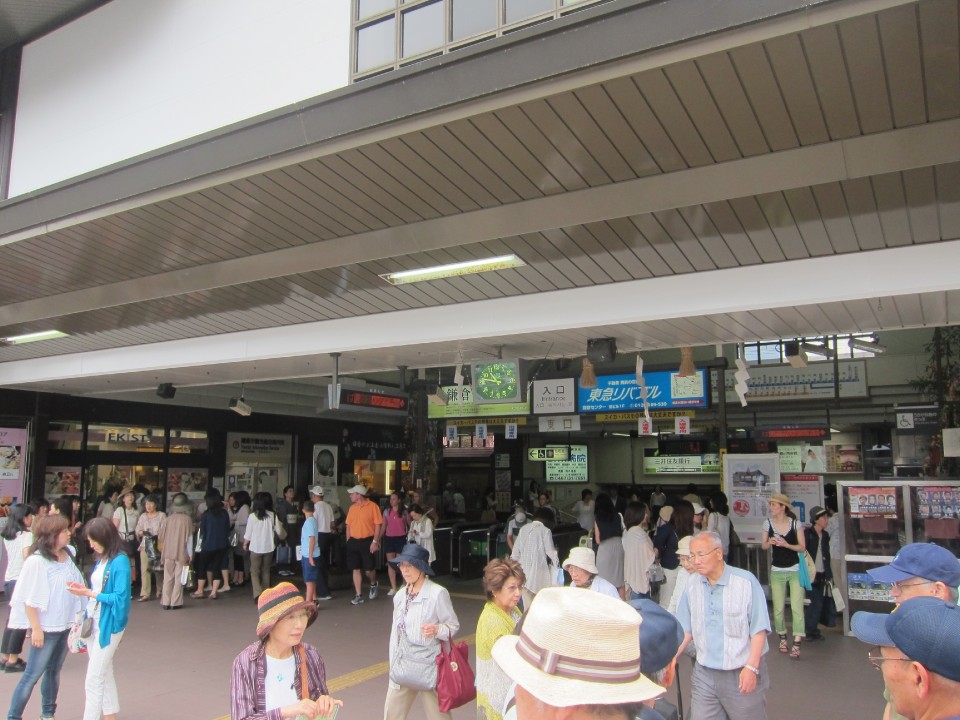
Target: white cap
316	490
358	489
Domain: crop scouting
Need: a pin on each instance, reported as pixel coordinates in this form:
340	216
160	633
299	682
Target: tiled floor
177	664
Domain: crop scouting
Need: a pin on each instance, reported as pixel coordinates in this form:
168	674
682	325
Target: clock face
496	381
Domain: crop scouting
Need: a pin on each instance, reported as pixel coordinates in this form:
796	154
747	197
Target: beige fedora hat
583	558
577	649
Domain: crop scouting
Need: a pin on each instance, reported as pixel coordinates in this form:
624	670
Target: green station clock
497	381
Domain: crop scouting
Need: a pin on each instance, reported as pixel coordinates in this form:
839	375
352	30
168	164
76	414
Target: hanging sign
681	425
781	382
553	396
481	432
451	433
461	403
644	426
551	453
511	431
560	423
918	420
258	447
664	390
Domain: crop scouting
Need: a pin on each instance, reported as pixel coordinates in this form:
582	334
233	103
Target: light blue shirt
604	587
309	531
722	618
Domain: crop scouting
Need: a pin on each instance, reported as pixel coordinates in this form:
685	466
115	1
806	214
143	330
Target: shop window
123	438
100	479
369	8
189	441
472	17
422	29
517	10
65	436
376	44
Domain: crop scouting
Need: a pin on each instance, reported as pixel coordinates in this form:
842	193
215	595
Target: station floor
176	664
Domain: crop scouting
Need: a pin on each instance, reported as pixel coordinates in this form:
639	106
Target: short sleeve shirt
308	531
362	520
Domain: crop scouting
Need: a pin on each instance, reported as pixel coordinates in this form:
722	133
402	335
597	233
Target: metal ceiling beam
912	270
897	150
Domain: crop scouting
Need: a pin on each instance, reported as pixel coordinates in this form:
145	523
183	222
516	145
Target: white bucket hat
358	489
575	649
583	558
683	547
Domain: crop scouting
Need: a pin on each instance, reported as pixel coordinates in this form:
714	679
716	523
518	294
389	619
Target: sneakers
374	589
325	597
391	592
357	600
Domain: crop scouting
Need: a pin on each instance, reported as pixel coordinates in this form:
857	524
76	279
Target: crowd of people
661	586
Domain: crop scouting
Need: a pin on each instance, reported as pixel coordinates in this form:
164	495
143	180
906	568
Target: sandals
143	598
200	595
783	644
795	650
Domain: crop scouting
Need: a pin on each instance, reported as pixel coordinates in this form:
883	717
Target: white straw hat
583	558
577	649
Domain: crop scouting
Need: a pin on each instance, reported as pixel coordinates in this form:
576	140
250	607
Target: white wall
136	75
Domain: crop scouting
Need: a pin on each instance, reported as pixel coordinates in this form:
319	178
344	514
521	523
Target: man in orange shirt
364	529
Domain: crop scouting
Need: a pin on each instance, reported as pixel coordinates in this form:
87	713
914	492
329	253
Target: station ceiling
727	180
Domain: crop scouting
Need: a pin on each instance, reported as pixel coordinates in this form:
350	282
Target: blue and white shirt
722	618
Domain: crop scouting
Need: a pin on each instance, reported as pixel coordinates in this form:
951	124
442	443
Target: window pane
65	436
188	441
472	17
422	29
369	8
517	10
122	438
376	45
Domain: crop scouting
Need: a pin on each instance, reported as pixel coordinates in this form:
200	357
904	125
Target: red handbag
455	681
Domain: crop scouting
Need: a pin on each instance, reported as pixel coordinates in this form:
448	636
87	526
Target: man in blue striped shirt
723	611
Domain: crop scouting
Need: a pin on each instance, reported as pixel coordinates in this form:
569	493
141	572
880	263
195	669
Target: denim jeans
46	662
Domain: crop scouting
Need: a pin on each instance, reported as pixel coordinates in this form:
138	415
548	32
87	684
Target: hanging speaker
166	391
602	350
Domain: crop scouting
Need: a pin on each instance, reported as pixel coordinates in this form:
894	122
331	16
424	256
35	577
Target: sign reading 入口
553	396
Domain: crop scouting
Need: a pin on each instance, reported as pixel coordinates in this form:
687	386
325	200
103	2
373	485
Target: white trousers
101	685
666	589
399	700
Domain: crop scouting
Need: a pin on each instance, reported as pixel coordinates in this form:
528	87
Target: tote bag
455	681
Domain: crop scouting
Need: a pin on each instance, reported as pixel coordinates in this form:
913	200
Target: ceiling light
867	346
503	262
34	337
817	349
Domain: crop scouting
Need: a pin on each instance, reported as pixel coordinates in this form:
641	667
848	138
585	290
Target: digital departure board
373	400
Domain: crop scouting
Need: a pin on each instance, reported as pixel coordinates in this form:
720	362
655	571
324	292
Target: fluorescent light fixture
817	349
468	267
867	346
34	337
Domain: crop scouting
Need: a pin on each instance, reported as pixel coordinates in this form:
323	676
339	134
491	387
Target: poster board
13	457
804	491
749	481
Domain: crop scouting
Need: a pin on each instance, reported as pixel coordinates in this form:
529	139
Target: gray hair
714	538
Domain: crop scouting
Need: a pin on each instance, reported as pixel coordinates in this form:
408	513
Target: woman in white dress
638	552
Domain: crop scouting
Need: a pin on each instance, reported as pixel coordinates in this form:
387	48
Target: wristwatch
751	668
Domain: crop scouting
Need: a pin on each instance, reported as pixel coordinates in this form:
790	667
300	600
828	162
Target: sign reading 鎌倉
461	403
573	470
664	390
553	396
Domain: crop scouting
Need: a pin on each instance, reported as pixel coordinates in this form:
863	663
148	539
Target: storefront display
59	481
190	481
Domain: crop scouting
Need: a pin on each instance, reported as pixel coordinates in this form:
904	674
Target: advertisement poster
13	453
573	470
861	586
812	459
791	458
868	502
191	481
749	481
804	492
934	502
664	390
840	458
59	481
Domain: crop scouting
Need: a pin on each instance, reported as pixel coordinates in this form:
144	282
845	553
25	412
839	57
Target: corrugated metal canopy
738	157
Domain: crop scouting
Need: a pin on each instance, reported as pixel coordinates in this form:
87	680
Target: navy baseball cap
660	636
923	560
925	629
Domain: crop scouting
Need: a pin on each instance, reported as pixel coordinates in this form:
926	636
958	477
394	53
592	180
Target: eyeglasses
898	586
700	556
295	617
876	658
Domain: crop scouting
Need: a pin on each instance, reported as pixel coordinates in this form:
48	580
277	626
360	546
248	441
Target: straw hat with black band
574	649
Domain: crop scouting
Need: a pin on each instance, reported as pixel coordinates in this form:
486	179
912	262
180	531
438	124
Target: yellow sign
470	422
460	404
654	415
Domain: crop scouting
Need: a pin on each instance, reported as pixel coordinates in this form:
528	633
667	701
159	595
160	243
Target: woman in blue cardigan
110	612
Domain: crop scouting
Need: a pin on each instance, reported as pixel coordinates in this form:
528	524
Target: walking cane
679	692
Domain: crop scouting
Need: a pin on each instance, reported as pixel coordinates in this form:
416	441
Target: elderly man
364	529
323	514
724	612
919	569
576	658
660	639
918	652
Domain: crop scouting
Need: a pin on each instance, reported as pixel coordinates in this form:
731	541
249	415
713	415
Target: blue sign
617	393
